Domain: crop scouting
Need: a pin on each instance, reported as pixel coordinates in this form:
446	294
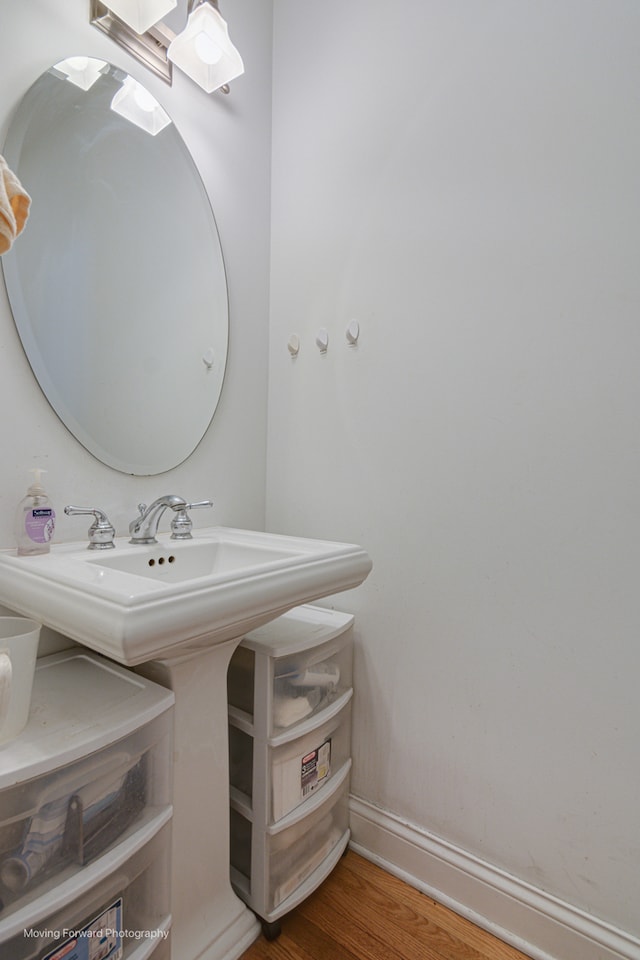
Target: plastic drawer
292	850
294	853
300	767
54	823
296	767
134	893
302	661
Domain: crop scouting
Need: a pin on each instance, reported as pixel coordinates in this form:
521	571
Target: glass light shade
141	14
82	71
136	104
204	51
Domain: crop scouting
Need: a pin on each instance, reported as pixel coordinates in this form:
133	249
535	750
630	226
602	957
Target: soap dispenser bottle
36	519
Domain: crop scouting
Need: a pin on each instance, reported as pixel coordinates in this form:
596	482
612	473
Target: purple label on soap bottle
39	524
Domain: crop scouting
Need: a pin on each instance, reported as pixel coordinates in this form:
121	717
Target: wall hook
322	339
352	333
293	345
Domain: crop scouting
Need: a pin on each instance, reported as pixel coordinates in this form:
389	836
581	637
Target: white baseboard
539	925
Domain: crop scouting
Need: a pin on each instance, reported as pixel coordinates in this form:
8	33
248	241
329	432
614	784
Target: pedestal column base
209	921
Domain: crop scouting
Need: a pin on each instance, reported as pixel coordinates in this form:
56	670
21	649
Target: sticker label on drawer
102	939
316	767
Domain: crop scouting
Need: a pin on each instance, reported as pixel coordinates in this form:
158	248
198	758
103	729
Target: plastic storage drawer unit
289	686
85	793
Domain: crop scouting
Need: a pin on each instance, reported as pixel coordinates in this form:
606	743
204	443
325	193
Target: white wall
462	178
229	139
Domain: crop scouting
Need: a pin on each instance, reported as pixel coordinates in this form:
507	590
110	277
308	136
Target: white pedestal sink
176	610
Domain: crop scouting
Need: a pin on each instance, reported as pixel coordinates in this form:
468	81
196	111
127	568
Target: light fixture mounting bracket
149	48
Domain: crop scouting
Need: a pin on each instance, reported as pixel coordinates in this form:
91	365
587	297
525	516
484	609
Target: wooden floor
363	913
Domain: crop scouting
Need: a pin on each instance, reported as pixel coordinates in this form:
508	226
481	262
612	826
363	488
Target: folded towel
14	206
288	710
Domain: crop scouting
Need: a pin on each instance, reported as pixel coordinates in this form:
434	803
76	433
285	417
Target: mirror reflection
117	285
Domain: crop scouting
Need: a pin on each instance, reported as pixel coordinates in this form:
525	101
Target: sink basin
175	563
146	602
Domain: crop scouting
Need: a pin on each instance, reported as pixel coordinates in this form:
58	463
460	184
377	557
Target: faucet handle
101	531
181	524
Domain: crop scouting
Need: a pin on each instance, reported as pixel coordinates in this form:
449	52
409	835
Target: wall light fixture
202	49
141	14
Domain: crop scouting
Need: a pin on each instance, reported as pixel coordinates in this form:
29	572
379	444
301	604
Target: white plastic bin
293	667
302	766
296	766
295	852
18	651
93	765
274	865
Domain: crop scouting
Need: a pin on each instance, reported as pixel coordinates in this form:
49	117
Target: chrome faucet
145	527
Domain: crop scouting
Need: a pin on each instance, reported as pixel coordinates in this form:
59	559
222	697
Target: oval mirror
117	284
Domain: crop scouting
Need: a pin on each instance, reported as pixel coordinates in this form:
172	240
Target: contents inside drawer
72	816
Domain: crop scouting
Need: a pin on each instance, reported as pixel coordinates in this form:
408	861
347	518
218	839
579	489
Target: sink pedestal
209	921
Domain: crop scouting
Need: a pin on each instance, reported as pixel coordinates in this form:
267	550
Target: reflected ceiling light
202	50
83	71
141	14
136	104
